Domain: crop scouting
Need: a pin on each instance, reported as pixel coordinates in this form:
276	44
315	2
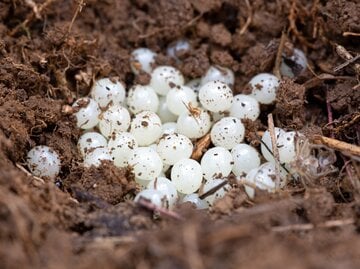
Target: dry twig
249	18
275	150
310	226
200	146
34	15
276	70
162	211
337	145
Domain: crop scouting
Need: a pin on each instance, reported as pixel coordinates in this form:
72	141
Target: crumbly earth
86	219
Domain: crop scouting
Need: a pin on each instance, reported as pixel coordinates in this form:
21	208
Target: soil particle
106	182
319	205
289	108
220	35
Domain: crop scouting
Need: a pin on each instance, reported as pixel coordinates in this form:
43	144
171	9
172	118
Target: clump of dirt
50	54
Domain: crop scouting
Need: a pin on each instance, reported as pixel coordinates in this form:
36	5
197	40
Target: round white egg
245	107
146	163
163	78
87	113
142	98
115	119
121	146
216	96
227	132
174	147
146	127
186	175
264	87
43	162
217	162
105	92
245	158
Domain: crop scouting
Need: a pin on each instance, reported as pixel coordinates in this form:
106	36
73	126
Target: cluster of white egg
152	129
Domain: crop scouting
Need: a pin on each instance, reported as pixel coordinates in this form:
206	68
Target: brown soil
86	218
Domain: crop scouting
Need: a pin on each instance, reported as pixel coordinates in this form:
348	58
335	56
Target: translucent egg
264	177
142	98
146	163
163	111
115	119
245	107
89	141
87	113
179	98
293	65
146	128
210	184
186	175
121	146
219	73
194	125
142	59
169	128
217	162
181	45
250	179
287	151
216	96
266	139
163	78
194	84
104	92
44	162
194	199
245	158
174	147
166	187
264	87
227	132
96	156
153	196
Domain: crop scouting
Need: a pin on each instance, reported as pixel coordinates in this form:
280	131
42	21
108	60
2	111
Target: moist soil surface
52	51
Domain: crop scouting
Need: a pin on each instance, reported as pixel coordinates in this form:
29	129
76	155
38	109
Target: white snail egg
142	98
219	73
194	125
174	147
96	156
166	187
153	196
245	158
220	193
245	107
186	175
169	128
120	147
89	141
44	162
217	162
115	119
264	87
142	59
179	98
216	96
146	128
163	78
105	91
227	132
163	111
266	139
195	200
87	113
146	163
